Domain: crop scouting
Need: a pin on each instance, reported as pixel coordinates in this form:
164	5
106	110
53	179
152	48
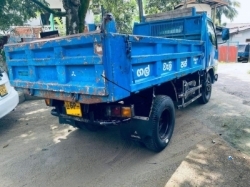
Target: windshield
241	48
247	48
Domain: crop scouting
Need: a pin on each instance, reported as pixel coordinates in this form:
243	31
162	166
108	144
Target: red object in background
116	111
228	54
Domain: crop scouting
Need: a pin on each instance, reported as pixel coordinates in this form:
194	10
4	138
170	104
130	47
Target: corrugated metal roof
212	3
237	27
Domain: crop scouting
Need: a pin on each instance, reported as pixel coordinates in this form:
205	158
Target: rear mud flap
138	128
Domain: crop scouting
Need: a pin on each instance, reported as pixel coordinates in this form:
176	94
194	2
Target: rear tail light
126	112
48	102
119	111
116	111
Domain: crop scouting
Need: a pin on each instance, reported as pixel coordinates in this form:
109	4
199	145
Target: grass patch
248	72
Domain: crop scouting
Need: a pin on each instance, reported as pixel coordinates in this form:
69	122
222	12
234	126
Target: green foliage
123	11
17	12
158	6
126	11
229	11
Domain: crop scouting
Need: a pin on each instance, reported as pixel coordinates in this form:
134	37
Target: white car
8	95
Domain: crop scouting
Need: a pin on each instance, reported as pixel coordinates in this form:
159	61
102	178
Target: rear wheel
163	121
206	90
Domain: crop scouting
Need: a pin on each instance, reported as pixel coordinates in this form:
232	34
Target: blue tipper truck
135	81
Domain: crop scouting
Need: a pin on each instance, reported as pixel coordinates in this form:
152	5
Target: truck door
212	46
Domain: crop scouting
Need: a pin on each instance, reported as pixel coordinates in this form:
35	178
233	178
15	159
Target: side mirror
225	34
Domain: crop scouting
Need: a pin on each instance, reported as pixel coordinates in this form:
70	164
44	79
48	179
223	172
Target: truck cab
184	24
243	52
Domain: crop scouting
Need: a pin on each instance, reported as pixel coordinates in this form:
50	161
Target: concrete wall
55	4
240	37
201	8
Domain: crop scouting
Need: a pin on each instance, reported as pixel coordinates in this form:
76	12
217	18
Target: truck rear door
63	68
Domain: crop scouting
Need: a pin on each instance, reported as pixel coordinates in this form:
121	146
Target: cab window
211	34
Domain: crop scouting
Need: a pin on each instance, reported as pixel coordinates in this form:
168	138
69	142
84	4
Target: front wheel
206	90
163	121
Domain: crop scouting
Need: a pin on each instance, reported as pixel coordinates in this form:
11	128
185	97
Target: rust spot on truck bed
98	49
68	97
137	38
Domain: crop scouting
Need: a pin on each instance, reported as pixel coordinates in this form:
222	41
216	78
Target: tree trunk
82	14
72	20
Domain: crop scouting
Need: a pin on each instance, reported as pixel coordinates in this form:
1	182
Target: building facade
43	20
239	33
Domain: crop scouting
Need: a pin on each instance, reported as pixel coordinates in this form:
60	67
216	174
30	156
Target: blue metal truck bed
103	67
135	81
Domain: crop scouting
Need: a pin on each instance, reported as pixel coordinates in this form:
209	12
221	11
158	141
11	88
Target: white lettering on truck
184	63
143	72
167	66
195	59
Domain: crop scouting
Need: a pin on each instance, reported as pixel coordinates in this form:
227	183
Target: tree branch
49	10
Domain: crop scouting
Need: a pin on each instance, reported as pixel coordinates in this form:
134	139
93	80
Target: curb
30	98
24	97
21	97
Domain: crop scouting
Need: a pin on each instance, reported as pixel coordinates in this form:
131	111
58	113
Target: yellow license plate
3	91
73	109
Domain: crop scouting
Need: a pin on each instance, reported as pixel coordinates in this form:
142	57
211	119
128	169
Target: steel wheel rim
164	124
208	87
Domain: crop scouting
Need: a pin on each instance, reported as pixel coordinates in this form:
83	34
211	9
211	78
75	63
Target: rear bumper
242	59
137	128
66	119
9	103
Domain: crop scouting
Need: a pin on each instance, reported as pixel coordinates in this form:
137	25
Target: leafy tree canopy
124	11
16	12
229	11
157	6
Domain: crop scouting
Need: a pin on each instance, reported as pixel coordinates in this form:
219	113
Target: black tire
89	126
206	90
163	122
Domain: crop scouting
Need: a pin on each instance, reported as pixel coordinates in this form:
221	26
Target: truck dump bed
101	67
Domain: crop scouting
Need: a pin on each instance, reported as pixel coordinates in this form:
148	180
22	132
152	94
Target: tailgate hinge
128	46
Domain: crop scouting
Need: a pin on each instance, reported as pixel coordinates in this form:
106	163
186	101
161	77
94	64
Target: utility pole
185	3
140	4
214	13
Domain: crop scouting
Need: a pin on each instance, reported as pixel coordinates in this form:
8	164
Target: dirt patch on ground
212	165
209	146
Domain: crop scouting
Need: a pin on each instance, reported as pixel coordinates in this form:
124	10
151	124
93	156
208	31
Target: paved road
36	151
